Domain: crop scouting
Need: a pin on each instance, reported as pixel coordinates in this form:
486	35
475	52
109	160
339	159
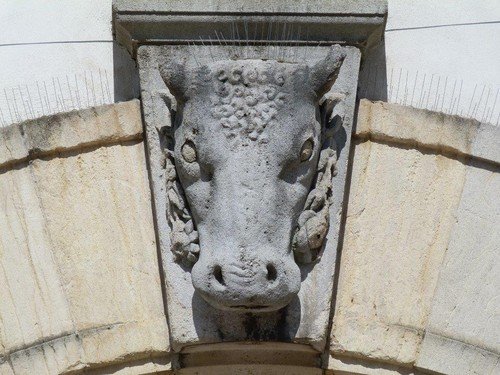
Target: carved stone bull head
249	176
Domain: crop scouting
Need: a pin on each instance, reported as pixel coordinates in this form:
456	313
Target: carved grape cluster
246	101
183	235
314	220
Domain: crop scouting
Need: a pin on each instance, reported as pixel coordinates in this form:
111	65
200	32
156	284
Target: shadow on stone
373	74
126	75
340	139
281	325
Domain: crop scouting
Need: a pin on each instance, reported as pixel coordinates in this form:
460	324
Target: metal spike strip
56	94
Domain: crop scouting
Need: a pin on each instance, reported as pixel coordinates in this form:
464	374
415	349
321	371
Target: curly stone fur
247	101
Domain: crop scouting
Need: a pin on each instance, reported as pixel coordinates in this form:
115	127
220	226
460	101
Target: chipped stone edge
63	132
428	130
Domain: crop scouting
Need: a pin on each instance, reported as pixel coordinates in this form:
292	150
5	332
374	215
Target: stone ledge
241	353
89	127
429	130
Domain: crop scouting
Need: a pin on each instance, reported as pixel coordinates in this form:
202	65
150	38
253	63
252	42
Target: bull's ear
174	75
325	72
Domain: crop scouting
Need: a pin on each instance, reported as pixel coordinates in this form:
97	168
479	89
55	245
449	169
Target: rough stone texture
72	130
339	365
79	280
391	256
192	319
428	130
234	167
418	284
80	288
463	333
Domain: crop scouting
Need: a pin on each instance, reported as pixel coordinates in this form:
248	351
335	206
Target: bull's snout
247	284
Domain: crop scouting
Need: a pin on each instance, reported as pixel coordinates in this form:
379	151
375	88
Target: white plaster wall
441	55
56	56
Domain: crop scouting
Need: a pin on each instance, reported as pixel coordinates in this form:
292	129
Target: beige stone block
90	126
463	334
428	130
444	355
401	210
340	365
124	342
98	214
70	130
413	127
6	369
50	356
79	277
12	145
121	347
418	284
33	304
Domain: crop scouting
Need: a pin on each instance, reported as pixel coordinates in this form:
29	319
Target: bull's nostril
271	272
218	275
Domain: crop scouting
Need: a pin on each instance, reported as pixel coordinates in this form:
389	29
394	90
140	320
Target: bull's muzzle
257	283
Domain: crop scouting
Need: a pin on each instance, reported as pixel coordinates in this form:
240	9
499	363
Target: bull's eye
188	152
306	150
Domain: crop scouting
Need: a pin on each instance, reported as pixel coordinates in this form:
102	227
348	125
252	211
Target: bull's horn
325	72
174	75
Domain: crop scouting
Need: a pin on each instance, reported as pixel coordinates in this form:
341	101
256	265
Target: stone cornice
175	22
